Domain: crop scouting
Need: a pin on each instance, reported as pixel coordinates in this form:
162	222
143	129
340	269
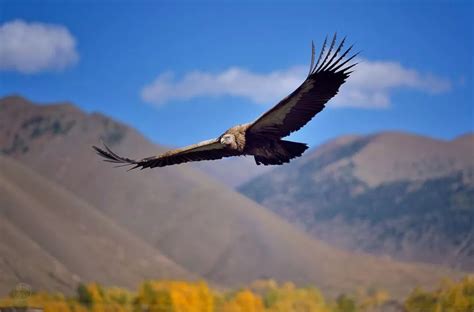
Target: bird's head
228	139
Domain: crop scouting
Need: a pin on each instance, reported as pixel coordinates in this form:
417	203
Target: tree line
260	296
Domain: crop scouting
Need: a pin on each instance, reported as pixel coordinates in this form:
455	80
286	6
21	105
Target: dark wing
206	150
322	83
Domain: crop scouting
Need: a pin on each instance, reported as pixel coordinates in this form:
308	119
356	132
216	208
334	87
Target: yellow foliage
243	301
96	292
449	297
56	307
176	296
260	296
288	298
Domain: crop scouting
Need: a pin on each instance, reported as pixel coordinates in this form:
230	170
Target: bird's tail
294	149
283	152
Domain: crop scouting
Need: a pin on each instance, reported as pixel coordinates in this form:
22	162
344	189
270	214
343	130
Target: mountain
51	239
194	220
23	260
232	171
396	194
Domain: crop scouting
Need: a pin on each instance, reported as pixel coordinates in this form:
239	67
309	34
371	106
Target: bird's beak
222	141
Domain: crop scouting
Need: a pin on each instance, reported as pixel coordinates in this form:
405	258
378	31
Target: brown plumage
263	137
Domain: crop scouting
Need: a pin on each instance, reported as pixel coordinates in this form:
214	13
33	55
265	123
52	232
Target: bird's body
266	150
262	138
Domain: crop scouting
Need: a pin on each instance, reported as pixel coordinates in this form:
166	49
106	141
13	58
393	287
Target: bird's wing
206	150
322	83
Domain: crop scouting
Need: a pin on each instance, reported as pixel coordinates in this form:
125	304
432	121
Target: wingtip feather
333	42
109	156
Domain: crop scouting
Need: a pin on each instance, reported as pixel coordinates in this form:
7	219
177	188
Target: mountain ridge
197	222
343	193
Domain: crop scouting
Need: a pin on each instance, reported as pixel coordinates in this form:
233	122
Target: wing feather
312	58
320	55
294	111
329	53
206	150
335	53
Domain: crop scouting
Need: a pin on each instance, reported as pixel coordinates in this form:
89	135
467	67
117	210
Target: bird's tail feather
294	149
283	153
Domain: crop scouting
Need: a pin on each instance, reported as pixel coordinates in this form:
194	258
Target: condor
263	137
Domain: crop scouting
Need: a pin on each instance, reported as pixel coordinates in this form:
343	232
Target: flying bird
262	138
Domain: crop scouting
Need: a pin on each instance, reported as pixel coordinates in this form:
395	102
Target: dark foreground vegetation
260	296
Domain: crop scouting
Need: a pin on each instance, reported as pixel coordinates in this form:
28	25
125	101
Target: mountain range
79	219
392	194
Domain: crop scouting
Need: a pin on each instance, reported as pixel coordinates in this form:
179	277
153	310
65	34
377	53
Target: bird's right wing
206	150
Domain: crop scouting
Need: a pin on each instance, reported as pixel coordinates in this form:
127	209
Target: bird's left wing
322	83
206	150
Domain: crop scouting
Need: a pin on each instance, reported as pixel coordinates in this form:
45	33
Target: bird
263	138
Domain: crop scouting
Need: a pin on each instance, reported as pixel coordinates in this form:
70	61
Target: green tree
83	295
345	304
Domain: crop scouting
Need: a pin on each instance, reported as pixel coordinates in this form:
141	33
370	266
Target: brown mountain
232	171
197	222
52	239
406	196
23	260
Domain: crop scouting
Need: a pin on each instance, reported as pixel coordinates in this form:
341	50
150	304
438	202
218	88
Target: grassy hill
395	194
197	222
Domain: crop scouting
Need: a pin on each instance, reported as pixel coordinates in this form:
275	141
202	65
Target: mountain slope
49	231
232	171
23	260
395	194
197	222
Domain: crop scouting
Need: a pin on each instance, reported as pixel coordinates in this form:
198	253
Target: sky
185	71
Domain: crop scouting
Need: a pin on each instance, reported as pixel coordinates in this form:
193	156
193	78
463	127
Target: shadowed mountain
194	220
396	194
51	239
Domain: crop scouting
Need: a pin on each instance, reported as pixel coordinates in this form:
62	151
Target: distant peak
15	99
399	134
346	138
465	139
465	136
22	102
340	140
63	106
331	145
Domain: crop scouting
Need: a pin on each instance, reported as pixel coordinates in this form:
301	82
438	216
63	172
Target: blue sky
416	72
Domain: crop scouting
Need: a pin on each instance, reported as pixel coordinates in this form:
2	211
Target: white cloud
259	88
34	47
370	86
373	82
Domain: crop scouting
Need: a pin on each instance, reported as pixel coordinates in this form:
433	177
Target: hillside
52	239
197	222
23	260
232	171
396	194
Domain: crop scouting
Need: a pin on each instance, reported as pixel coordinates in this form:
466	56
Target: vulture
262	138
